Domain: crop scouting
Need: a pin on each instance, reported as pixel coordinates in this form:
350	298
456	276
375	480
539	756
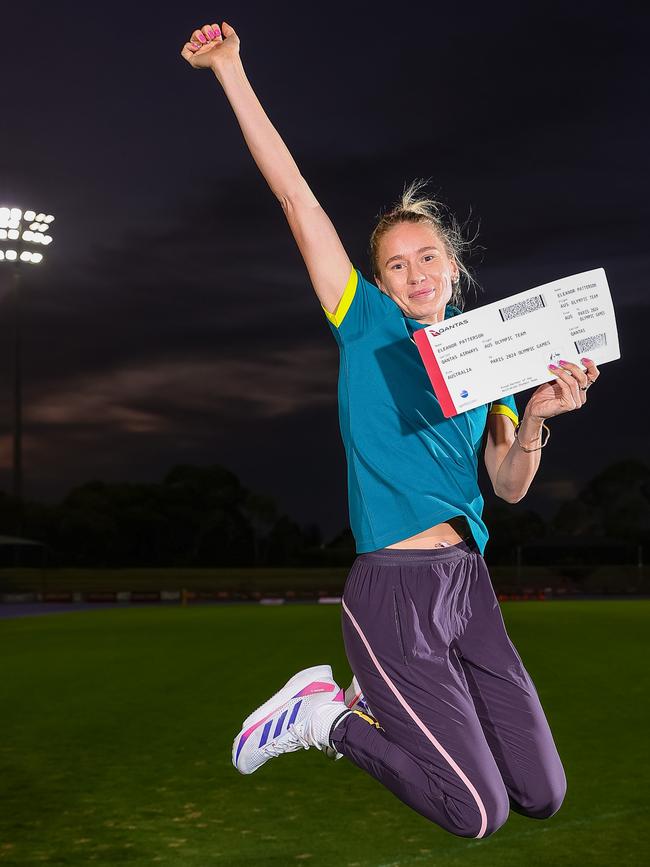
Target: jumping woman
441	709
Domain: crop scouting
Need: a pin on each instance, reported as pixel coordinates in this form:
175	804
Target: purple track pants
461	735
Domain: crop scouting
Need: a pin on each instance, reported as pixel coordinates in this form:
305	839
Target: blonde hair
411	207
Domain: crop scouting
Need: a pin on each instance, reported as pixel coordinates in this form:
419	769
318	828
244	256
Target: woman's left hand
567	392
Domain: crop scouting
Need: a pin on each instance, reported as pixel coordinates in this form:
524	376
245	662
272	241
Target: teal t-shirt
409	467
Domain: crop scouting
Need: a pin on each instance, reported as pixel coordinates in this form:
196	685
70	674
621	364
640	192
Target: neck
429	321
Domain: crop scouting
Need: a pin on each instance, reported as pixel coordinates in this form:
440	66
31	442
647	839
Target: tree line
204	517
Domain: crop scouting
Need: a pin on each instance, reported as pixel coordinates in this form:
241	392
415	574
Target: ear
380	285
455	272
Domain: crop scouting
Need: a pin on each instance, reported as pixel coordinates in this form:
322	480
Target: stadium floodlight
23	232
20	233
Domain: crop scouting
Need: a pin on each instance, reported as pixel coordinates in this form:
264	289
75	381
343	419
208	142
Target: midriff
452	531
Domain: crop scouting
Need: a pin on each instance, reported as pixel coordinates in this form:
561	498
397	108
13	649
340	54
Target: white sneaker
355	700
300	715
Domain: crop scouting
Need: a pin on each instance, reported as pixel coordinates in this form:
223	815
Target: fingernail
211	33
562	361
202	38
553	367
586	360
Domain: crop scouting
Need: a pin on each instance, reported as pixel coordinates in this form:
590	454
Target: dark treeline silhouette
205	517
197	516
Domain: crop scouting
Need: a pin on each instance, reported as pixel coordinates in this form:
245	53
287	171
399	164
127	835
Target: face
416	271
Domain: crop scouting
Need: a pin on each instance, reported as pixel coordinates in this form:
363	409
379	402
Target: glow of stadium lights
13	227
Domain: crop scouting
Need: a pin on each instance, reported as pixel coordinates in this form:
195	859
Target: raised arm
327	262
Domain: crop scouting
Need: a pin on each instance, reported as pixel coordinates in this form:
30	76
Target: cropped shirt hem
364	546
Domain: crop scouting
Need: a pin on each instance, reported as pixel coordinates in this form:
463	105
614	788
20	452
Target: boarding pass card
504	347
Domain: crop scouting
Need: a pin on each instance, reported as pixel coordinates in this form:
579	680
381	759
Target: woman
449	719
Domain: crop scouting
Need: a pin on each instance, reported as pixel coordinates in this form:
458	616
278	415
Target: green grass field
117	727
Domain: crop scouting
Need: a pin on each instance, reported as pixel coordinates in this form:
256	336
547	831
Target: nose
415	275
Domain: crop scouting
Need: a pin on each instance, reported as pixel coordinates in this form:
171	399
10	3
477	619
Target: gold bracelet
548	433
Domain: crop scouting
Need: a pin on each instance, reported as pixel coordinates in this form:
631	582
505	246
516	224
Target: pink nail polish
586	360
211	33
553	367
202	38
562	361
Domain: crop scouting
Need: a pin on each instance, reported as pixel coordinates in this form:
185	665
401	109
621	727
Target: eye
395	266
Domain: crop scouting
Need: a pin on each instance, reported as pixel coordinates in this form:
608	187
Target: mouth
421	293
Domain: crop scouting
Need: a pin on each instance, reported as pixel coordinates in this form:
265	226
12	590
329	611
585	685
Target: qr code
587	344
521	308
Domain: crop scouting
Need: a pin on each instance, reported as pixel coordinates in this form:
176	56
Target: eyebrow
402	256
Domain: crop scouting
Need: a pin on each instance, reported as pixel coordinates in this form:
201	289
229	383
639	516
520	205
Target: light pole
22	237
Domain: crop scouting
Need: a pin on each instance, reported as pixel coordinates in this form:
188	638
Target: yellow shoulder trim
346	299
502	409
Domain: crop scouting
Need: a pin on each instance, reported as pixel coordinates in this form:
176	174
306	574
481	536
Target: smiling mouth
421	292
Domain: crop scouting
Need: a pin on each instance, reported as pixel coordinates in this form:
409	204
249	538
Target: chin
430	313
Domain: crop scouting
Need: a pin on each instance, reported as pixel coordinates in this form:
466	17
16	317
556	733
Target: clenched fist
211	46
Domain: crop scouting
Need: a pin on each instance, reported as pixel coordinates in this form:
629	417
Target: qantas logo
439	331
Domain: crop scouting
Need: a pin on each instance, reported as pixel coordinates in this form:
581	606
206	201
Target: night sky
173	320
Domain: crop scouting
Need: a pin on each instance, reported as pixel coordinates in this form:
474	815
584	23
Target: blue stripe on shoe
265	733
294	713
278	727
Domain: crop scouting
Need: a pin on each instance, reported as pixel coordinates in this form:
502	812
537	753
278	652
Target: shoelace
276	749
